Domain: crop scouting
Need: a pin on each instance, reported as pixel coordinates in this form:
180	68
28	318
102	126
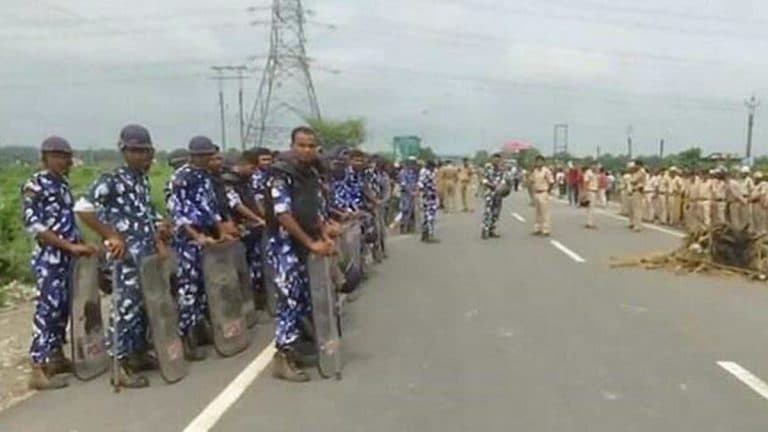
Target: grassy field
15	244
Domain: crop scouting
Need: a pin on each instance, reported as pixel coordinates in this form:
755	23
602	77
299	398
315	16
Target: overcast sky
464	74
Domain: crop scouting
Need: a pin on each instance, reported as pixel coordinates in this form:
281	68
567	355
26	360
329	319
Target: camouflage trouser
491	212
131	316
292	283
49	323
429	208
190	285
252	243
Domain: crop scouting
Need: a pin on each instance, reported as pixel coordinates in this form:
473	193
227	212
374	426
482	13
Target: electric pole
286	94
752	103
598	152
629	141
560	146
220	79
661	148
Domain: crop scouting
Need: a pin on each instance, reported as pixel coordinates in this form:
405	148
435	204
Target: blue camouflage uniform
428	200
258	186
493	178
122	200
48	205
407	180
356	182
291	278
192	202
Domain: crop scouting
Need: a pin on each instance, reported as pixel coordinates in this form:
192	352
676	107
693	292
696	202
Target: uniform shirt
736	190
427	184
715	187
280	241
407	179
694	186
676	185
465	175
542	179
47	205
492	177
664	184
760	193
355	184
339	195
747	185
451	174
651	186
193	199
626	182
639	179
121	200
590	181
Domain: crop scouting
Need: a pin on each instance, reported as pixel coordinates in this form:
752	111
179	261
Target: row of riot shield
230	304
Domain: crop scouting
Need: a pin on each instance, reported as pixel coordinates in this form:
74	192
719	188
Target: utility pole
240	70
629	141
752	103
220	79
598	152
661	148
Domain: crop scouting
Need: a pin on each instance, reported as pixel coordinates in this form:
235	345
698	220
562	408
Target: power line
286	90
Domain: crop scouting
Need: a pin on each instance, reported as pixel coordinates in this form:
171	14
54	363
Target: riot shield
351	257
89	354
225	297
155	275
246	284
324	316
268	273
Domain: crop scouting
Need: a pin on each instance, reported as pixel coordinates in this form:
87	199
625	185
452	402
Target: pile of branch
720	250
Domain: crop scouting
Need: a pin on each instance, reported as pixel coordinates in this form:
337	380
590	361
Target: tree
481	157
426	153
335	133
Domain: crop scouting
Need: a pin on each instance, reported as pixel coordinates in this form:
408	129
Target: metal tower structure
286	95
560	139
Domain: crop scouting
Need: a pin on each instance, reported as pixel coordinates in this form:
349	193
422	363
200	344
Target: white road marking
518	217
218	406
647	225
573	255
746	377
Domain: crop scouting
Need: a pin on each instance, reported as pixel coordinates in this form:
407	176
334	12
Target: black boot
58	363
284	367
127	377
41	379
142	361
192	351
424	236
204	333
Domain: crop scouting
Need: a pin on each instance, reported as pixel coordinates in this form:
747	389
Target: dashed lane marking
573	255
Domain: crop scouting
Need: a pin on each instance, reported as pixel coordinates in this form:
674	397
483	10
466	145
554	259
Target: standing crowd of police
299	199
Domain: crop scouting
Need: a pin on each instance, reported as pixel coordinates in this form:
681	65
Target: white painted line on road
647	225
746	377
213	412
573	255
518	217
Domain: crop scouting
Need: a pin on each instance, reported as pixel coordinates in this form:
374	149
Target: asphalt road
510	334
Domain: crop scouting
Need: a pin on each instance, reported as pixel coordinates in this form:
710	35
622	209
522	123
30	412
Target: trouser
516	184
406	211
674	207
464	196
637	204
543	222
292	282
626	199
252	243
602	198
648	213
661	208
450	196
718	213
49	322
491	212
573	195
131	317
192	298
704	213
759	218
531	196
592	198
738	215
429	208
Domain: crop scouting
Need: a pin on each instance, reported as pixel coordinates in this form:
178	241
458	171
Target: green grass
15	244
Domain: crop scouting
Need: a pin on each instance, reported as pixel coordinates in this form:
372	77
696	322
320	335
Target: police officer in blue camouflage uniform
296	226
428	190
408	181
196	220
119	210
493	179
48	215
